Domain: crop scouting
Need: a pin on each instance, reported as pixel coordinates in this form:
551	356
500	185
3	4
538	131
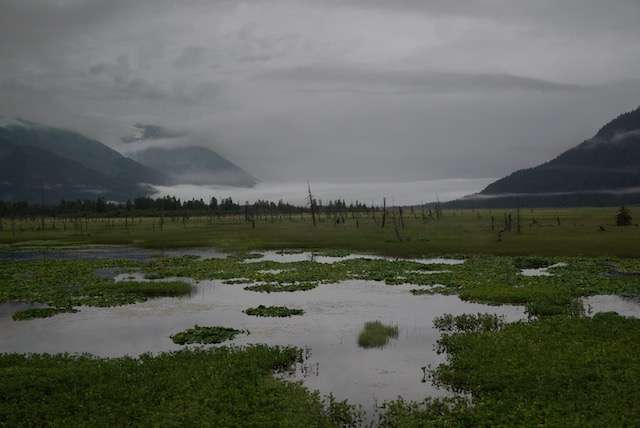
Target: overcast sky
330	90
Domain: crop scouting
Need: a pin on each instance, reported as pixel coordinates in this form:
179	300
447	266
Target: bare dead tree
312	205
384	212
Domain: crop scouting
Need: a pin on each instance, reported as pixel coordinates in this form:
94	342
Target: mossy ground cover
557	371
273	311
205	335
375	334
223	387
72	283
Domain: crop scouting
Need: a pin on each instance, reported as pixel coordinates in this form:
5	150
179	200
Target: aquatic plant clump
375	334
469	323
278	288
32	313
273	311
73	283
221	387
205	335
557	371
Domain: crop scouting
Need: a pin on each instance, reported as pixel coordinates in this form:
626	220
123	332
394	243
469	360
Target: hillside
194	165
183	157
602	170
38	161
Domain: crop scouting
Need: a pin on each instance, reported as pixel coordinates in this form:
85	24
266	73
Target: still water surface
334	316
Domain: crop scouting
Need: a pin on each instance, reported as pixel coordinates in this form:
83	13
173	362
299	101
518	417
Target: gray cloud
328	89
191	56
413	80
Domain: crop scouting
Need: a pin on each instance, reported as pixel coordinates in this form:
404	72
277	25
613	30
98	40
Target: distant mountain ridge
194	165
186	160
42	162
603	170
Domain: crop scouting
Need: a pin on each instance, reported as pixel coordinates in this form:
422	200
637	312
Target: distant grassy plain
546	232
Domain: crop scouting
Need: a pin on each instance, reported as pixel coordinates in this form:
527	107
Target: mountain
38	161
194	165
183	157
603	170
143	132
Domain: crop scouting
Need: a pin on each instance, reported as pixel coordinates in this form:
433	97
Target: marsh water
334	316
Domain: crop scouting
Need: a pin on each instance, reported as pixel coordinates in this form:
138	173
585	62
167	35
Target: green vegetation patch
375	334
531	262
483	279
205	335
469	323
32	313
557	371
72	283
223	387
273	311
282	287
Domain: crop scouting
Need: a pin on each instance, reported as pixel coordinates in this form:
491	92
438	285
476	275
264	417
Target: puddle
335	314
628	307
284	257
541	271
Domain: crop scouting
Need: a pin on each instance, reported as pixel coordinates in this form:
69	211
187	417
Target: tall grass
375	334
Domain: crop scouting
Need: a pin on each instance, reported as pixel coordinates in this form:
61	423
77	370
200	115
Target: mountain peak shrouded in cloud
185	158
325	89
39	162
142	132
604	169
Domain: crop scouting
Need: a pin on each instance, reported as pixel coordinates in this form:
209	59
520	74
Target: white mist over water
397	193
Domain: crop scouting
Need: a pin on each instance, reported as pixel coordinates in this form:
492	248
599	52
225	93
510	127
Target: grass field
558	368
568	232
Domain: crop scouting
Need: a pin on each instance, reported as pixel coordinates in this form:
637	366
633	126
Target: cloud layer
354	89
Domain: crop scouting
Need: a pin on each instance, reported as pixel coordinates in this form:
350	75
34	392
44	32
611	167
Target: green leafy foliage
557	371
468	323
531	262
205	335
223	387
72	283
273	311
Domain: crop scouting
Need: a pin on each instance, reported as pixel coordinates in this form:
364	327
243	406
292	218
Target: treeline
146	206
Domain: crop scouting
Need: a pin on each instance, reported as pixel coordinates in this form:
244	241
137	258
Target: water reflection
334	316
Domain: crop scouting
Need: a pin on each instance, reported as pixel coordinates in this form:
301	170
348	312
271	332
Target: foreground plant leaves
223	387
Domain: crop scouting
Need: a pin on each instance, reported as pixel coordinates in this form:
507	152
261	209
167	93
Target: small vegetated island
273	311
205	335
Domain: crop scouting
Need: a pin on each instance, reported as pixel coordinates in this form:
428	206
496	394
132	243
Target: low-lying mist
397	193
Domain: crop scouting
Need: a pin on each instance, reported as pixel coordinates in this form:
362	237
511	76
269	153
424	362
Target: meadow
410	233
557	367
